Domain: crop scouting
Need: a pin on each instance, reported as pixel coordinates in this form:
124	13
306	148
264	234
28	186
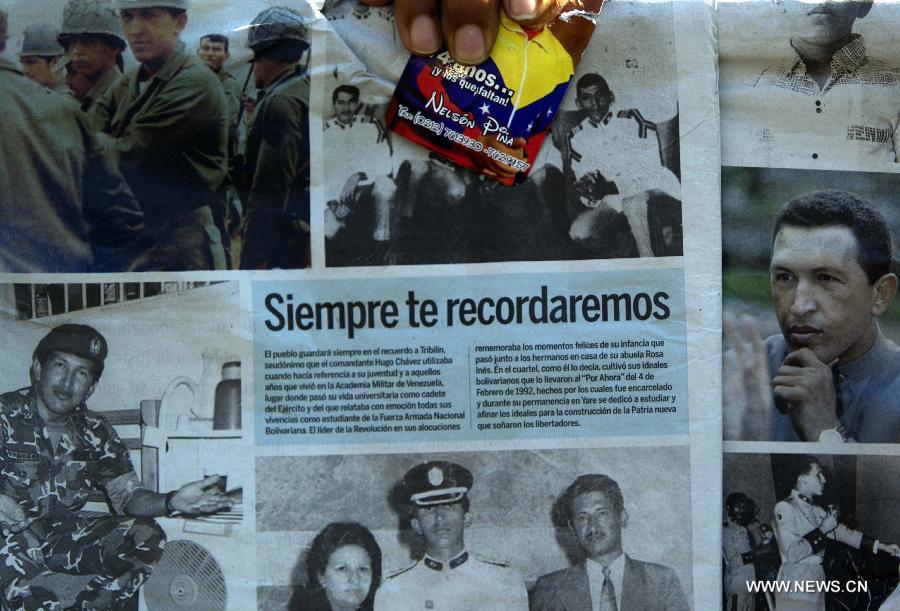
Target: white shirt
595	580
782	118
344	143
624	147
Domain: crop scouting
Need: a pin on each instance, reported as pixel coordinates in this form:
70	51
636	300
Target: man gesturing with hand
835	377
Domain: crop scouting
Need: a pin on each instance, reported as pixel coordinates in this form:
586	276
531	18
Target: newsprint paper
261	352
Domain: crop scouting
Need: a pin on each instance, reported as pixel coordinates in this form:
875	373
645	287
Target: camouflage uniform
275	229
51	486
65	208
171	140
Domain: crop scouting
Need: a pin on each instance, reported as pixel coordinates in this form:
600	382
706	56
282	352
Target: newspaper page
809	103
263	353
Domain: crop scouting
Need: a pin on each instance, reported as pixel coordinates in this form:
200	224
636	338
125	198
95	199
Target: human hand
892	548
746	384
829	523
12	518
469	27
202	496
806	385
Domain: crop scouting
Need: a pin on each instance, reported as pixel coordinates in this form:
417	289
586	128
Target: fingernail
423	34
469	43
522	9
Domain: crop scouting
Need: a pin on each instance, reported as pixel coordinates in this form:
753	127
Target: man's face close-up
442	526
597	523
822	297
91	55
345	107
152	33
823	23
594	101
812	483
64	382
212	53
39	70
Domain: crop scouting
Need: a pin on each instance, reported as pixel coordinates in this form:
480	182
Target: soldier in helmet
168	119
448	577
92	36
65	208
275	229
40	55
53	453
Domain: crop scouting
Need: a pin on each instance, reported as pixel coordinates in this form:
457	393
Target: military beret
81	340
437	483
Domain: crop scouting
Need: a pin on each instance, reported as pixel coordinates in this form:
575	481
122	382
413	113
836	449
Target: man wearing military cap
275	228
40	55
168	119
448	577
53	453
92	36
65	207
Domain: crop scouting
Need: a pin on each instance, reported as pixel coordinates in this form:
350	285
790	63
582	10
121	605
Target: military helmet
40	40
124	5
97	17
275	25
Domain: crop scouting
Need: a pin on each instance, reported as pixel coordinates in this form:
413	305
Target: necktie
608	593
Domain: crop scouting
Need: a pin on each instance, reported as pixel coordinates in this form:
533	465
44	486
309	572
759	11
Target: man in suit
607	579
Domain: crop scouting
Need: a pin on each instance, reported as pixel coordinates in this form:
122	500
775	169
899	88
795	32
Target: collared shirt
96	93
61	198
465	583
624	148
868	388
342	143
782	118
170	135
596	579
48	482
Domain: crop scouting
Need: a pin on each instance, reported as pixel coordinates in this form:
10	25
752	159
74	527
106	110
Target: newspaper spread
263	353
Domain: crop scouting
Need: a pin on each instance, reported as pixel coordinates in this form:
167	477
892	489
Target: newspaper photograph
487	530
224	278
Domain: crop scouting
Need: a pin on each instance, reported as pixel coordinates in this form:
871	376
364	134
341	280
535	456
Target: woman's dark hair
337	535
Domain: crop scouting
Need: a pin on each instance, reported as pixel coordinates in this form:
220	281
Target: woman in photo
343	570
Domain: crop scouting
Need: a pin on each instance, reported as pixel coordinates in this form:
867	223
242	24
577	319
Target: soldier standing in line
65	208
448	577
168	119
92	36
275	229
54	453
39	57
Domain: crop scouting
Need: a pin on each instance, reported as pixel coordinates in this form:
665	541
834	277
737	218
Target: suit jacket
645	587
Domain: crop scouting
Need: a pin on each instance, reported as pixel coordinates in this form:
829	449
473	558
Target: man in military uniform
607	579
448	577
622	200
213	50
92	36
39	57
168	119
802	530
737	552
65	208
275	229
54	453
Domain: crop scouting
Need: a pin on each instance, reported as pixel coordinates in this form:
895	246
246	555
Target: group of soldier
143	170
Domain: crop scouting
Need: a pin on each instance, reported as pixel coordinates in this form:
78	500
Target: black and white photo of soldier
617	196
831	523
467	530
814	90
92	512
831	372
748	553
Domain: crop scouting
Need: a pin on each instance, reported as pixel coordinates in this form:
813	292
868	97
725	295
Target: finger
209	481
417	23
470	28
804	357
790	394
532	13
